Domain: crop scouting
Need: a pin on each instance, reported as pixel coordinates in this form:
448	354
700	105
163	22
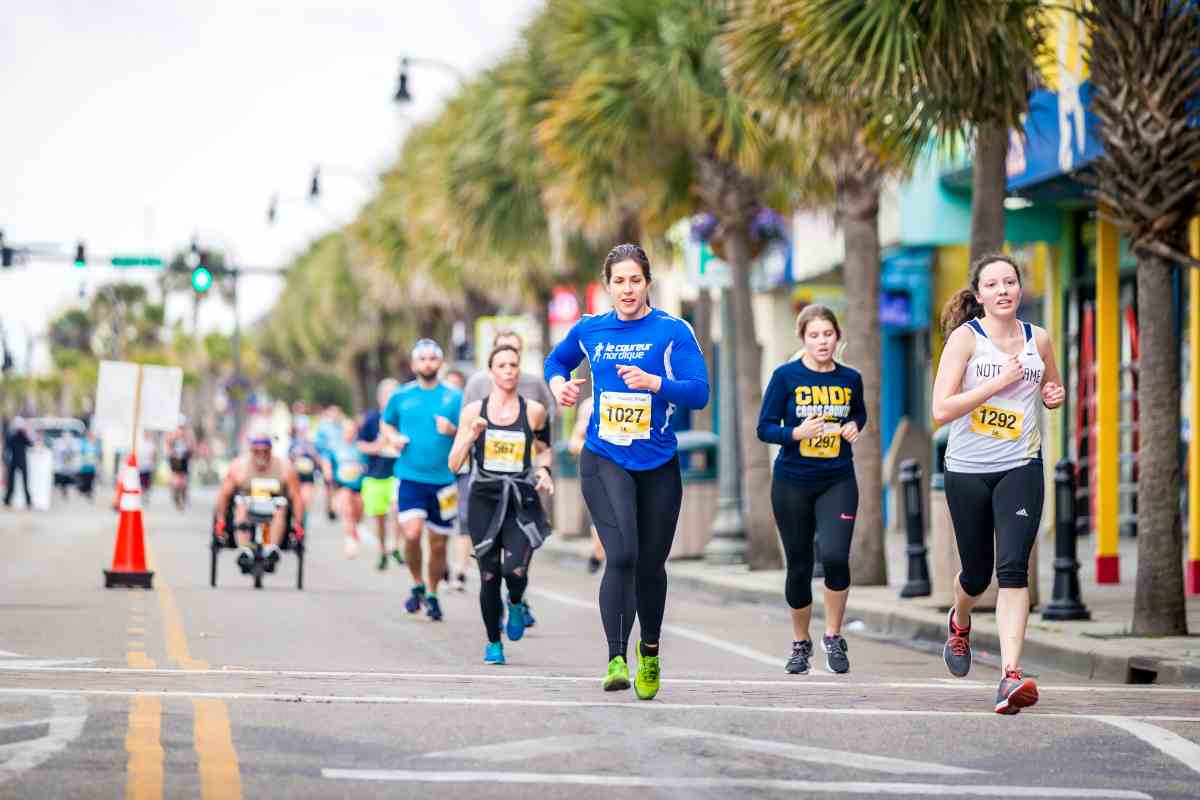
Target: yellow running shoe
647	681
618	675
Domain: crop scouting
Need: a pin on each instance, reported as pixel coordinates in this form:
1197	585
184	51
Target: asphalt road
335	691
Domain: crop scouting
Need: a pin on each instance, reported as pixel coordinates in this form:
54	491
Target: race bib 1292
997	423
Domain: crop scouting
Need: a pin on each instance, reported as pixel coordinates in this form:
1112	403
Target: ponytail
961	308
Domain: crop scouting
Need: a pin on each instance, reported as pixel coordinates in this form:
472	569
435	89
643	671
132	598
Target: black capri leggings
508	559
1009	503
635	513
800	511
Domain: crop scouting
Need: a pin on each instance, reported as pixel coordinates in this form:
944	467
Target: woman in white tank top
993	372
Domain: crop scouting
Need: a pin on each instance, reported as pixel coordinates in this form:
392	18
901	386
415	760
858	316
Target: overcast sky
132	125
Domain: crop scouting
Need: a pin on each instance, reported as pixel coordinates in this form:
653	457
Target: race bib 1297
827	445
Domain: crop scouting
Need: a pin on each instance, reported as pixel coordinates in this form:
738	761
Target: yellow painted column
1108	404
1193	412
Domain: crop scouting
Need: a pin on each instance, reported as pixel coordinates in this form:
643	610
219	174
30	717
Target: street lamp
402	94
728	543
364	180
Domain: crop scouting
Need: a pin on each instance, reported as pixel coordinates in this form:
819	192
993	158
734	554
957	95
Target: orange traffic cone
129	556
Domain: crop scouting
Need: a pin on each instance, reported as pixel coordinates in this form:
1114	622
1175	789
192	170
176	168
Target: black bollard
917	584
1066	602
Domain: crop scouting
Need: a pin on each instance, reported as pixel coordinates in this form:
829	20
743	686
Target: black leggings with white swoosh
800	513
1008	503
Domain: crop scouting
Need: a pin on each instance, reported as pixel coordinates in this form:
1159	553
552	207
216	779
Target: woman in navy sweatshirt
813	408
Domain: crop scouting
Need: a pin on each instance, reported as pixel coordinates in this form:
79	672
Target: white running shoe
350	547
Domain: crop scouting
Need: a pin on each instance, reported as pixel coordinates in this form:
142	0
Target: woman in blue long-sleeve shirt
813	408
645	363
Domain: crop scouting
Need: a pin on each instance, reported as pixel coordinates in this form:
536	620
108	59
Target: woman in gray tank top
993	372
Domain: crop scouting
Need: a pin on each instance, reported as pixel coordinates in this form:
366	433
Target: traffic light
80	255
202	279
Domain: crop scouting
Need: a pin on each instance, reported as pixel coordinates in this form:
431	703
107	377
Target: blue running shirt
630	427
411	411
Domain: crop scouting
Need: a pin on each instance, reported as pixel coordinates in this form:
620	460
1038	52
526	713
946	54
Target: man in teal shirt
419	421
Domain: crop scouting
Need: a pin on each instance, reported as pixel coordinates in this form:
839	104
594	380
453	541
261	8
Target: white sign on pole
118	399
116	391
162	391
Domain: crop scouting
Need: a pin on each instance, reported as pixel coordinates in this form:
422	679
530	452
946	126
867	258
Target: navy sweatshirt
797	392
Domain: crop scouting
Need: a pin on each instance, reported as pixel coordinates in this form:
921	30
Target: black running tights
1008	503
635	513
508	560
802	511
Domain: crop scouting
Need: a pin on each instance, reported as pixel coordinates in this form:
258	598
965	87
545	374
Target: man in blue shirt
379	484
419	422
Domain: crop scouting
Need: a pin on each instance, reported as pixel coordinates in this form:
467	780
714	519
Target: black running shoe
835	648
801	653
957	651
1015	692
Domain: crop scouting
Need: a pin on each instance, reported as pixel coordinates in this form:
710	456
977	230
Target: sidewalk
1100	648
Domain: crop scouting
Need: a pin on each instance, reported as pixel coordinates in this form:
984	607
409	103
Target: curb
1095	662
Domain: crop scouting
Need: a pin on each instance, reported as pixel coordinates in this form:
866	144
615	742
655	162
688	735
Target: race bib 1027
624	417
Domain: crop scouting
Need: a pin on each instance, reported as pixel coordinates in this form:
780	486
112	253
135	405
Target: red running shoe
957	651
1015	692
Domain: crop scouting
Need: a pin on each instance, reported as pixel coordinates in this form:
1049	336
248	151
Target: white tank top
1004	432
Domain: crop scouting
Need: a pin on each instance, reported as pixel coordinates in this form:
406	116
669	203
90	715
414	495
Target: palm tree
647	117
846	170
1144	66
963	69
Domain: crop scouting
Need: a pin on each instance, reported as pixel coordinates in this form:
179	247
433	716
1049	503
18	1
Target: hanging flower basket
768	226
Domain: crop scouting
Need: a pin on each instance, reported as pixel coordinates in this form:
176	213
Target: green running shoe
618	675
647	681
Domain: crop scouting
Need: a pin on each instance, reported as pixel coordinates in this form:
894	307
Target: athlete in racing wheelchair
260	500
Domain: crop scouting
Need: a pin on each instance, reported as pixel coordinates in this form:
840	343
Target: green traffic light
202	279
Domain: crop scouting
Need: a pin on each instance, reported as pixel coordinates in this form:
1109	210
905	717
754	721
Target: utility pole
728	543
238	409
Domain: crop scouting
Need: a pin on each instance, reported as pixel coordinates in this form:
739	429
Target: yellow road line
220	775
137	660
143	737
145	765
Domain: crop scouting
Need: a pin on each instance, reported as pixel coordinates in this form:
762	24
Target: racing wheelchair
260	512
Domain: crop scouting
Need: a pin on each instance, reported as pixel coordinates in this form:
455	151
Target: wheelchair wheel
213	550
258	573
